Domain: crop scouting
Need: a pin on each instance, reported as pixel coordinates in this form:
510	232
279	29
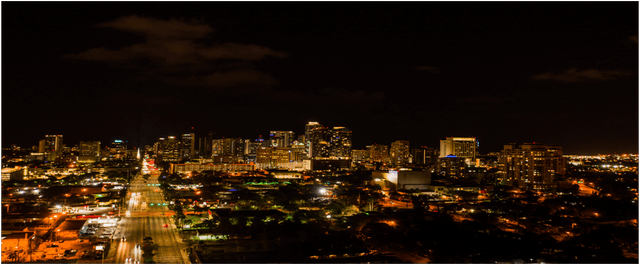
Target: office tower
465	147
251	146
227	147
118	150
52	146
298	152
424	155
359	155
89	148
340	142
378	153
320	142
308	131
264	157
399	153
168	150
281	138
531	165
204	146
188	146
53	143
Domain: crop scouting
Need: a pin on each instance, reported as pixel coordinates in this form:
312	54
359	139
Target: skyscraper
319	139
169	149
340	142
531	166
399	153
424	155
460	147
378	153
53	143
89	148
51	146
281	138
188	146
308	135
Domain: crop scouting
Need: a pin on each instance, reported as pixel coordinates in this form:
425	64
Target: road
141	220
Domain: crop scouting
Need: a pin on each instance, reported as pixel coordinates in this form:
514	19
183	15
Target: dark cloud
172	47
480	99
574	75
161	29
226	79
429	69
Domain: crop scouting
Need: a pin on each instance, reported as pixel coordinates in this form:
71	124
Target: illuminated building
188	146
89	148
204	146
168	150
424	155
51	146
340	142
218	167
451	166
399	153
10	173
531	166
281	155
281	138
118	150
89	151
227	147
319	139
393	180
308	131
53	143
298	152
464	147
264	157
359	155
378	153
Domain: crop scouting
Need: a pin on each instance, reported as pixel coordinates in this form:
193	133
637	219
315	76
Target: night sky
547	72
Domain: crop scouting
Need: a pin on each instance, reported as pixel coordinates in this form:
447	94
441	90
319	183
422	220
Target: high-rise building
168	150
118	150
51	146
281	138
298	153
320	139
359	155
308	136
53	143
531	166
378	153
465	147
227	147
399	153
264	157
188	146
88	152
424	155
89	148
204	146
340	142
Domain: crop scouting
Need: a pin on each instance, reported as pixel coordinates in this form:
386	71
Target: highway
144	218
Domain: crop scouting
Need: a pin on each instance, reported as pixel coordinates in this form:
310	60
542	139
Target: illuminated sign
117	141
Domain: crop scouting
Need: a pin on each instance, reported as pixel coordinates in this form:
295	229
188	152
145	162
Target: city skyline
554	73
